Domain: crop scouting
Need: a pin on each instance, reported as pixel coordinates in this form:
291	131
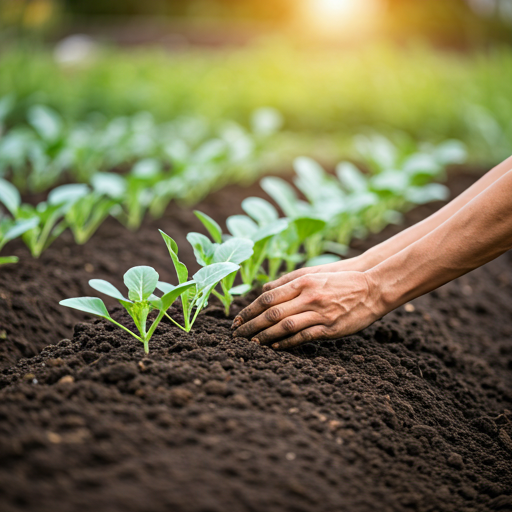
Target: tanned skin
335	300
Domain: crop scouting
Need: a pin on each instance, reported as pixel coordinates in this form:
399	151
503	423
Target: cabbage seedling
87	211
234	250
260	225
11	228
205	281
50	215
141	283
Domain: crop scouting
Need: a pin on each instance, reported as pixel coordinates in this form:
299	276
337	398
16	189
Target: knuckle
267	298
326	332
289	325
306	336
305	281
273	315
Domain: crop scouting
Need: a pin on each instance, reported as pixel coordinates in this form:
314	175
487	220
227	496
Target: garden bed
413	413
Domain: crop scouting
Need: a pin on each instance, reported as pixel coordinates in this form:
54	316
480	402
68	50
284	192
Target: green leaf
9	196
172	246
351	177
269	230
4	260
212	227
235	250
172	295
260	210
209	276
141	282
146	168
20	227
451	152
91	305
45	121
109	184
282	193
427	193
309	170
307	226
67	194
165	287
241	289
324	259
422	163
203	248
108	289
241	226
391	181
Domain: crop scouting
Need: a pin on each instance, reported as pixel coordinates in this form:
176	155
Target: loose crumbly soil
413	413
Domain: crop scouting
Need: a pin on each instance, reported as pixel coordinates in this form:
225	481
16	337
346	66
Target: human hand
314	306
352	264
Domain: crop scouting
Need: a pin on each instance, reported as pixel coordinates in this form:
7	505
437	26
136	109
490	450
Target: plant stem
126	329
176	323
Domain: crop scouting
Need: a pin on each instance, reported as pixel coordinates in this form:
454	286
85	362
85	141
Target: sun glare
340	15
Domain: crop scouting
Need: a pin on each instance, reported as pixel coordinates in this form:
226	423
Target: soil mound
413	413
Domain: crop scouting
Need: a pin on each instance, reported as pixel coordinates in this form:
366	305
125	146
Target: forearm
477	233
407	237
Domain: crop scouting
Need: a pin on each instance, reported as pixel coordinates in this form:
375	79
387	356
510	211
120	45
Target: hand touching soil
342	298
322	305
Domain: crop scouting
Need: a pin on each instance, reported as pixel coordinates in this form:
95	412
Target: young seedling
234	250
51	217
87	209
205	281
304	223
11	228
141	283
135	191
260	225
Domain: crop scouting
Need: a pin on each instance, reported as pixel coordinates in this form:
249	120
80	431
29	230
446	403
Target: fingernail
275	345
237	322
256	340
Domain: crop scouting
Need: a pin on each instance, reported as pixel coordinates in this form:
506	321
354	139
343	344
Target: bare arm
331	305
405	238
393	245
474	235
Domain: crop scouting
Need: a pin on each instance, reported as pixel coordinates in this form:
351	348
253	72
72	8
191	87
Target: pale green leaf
241	226
209	276
235	250
91	305
9	196
141	282
260	210
108	289
282	193
212	227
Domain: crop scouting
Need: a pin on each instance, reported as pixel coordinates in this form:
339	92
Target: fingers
285	279
270	317
317	332
265	301
287	327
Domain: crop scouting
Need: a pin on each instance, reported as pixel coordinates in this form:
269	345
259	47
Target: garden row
260	243
426	93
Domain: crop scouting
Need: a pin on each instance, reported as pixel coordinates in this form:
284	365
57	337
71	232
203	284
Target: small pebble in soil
290	456
409	308
67	379
89	268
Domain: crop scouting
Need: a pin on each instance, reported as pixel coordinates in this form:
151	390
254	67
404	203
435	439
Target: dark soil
413	413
